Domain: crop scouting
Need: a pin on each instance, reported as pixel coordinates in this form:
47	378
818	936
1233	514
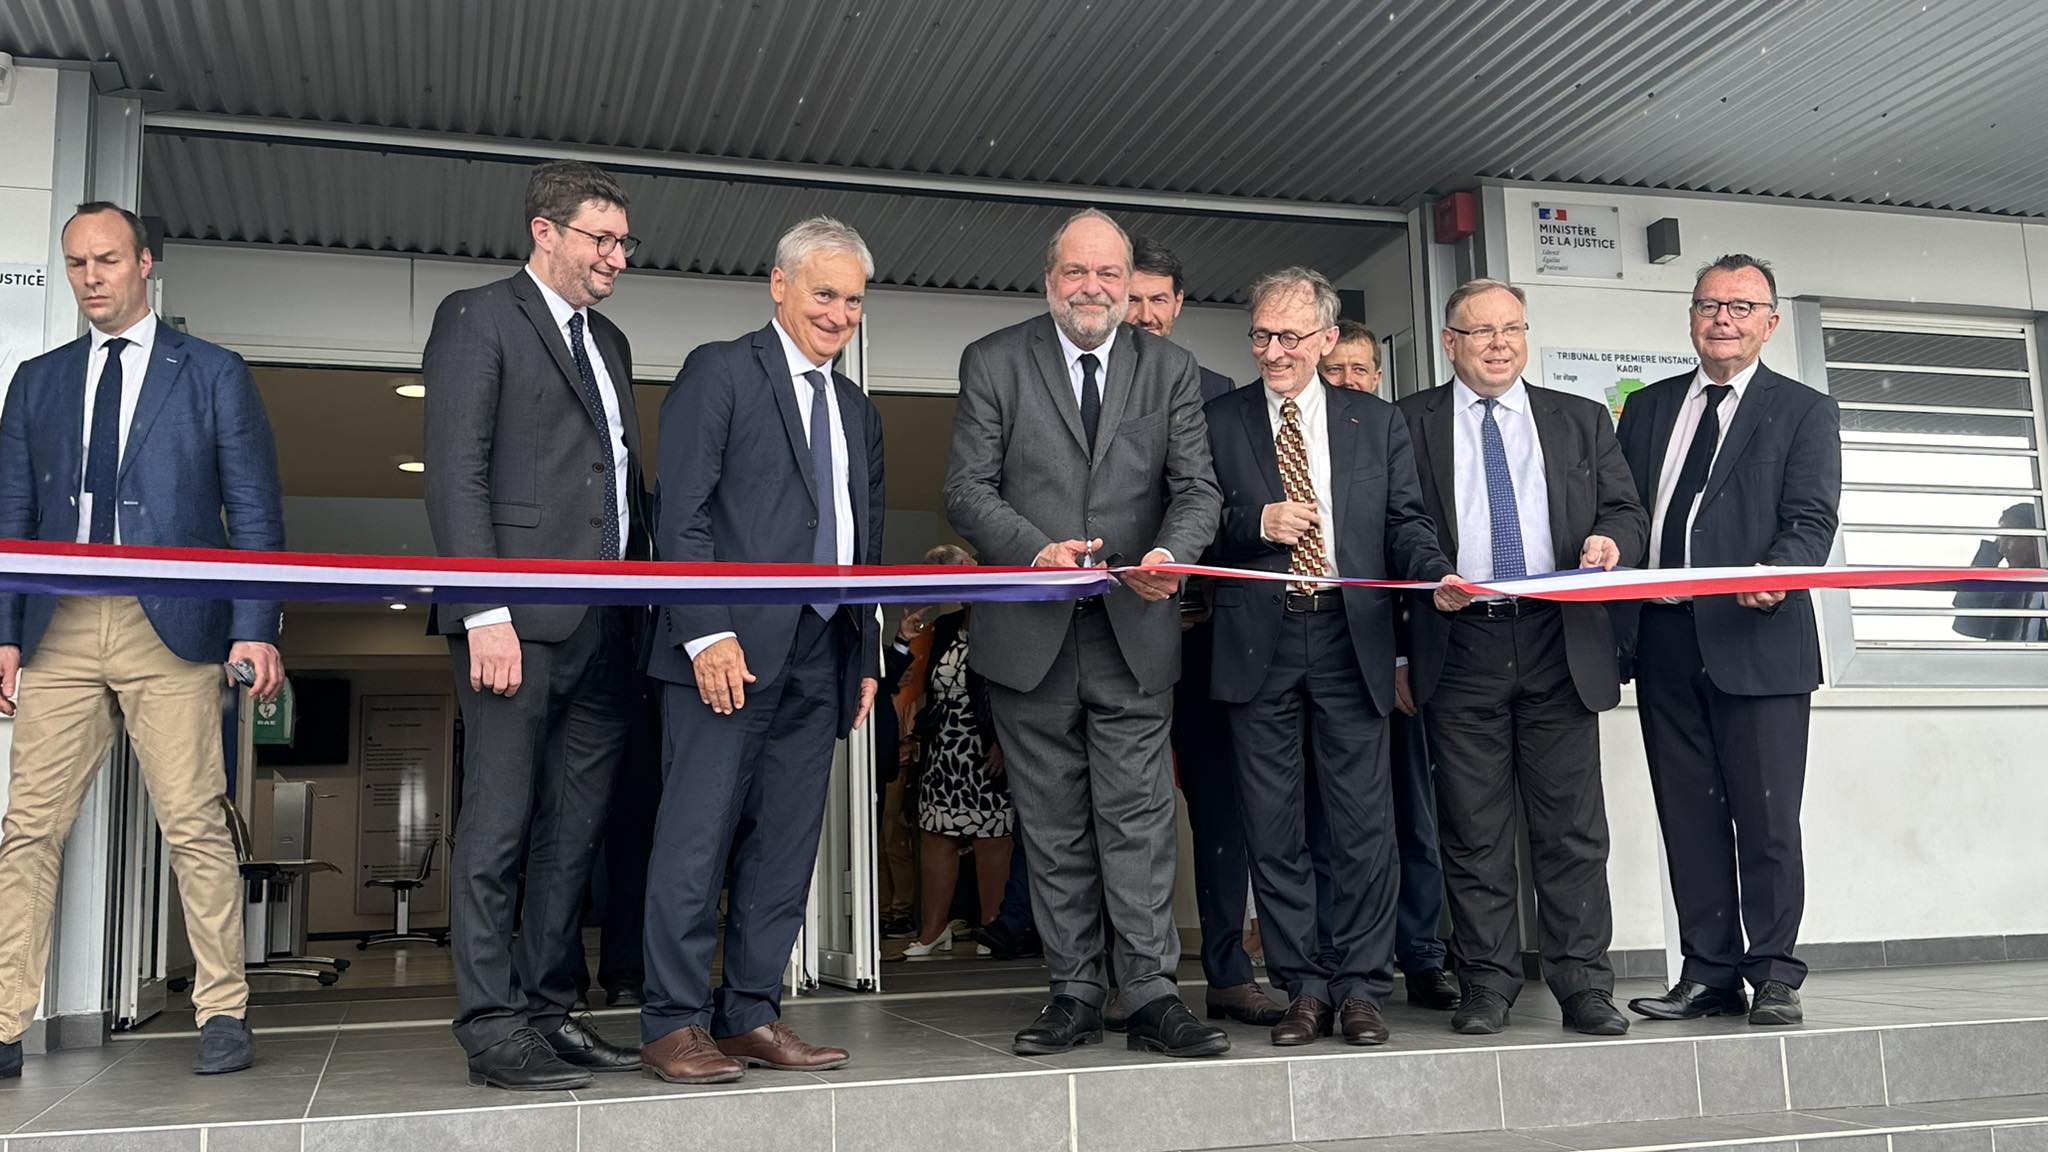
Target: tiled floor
335	1059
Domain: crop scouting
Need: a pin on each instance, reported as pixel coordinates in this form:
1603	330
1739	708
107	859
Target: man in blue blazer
767	456
131	434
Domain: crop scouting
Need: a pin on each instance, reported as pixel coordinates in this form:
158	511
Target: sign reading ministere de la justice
22	288
1578	240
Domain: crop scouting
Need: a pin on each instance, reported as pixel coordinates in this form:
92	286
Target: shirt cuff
485	619
1400	661
695	648
1168	553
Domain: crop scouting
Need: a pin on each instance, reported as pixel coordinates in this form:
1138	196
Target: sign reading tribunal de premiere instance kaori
1578	240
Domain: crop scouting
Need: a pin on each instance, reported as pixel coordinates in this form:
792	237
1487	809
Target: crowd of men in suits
1083	437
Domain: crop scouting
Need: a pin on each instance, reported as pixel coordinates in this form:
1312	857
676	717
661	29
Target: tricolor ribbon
207	573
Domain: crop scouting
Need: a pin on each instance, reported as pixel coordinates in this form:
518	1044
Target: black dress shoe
1690	1000
578	1043
1244	1003
1777	1003
1361	1023
525	1062
623	996
1116	1015
1167	1027
10	1060
1592	1012
224	1046
1433	988
1481	1012
1306	1020
1062	1026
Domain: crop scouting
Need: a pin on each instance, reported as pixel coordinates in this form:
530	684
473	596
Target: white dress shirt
1525	468
615	427
1073	353
1315	441
141	337
842	499
1689	415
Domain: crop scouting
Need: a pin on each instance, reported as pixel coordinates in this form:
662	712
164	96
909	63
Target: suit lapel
1555	440
1439	433
543	321
1343	433
1749	415
1258	431
166	364
1052	371
1116	390
775	366
70	432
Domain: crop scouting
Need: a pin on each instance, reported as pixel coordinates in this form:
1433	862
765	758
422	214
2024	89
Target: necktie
825	543
1091	399
103	447
1502	513
1307	557
1692	476
609	547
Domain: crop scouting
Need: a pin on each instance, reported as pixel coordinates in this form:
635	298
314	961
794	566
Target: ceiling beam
415	142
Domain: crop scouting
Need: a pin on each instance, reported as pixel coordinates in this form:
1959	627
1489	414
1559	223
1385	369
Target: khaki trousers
99	653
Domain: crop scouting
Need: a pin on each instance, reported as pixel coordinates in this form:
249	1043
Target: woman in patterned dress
963	800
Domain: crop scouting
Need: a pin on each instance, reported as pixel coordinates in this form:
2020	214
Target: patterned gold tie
1307	557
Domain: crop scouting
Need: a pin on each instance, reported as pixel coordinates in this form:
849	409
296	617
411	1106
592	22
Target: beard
1089	328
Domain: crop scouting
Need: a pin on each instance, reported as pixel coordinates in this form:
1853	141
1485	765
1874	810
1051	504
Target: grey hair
1052	247
1481	287
1736	262
807	238
949	554
1295	279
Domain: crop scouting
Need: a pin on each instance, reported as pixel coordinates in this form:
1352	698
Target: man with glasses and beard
1079	441
533	449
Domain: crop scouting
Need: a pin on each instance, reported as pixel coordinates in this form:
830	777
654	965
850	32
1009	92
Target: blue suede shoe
224	1046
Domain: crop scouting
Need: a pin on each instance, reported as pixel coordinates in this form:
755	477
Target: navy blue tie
825	543
103	447
1506	518
608	547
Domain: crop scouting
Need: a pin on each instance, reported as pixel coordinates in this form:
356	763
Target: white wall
1921	805
313	307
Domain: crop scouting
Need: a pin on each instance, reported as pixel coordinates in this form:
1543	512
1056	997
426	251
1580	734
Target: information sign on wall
1578	240
1609	377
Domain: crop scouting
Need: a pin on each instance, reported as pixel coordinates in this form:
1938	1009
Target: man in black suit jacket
767	456
1520	481
1739	466
2015	551
1316	482
1201	735
533	449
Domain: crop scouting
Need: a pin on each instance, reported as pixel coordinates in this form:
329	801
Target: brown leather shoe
778	1046
1361	1023
689	1056
1305	1020
1244	1003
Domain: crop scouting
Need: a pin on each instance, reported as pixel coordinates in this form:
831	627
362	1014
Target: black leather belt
1321	600
1507	609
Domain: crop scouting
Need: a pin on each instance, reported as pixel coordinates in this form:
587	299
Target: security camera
6	78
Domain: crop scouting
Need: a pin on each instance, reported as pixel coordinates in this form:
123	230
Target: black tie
103	448
609	546
1692	476
1091	398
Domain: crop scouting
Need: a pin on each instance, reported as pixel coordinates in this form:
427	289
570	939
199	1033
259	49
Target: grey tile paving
1834	1070
1183	1107
489	1128
1741	1074
1388	1095
1967	1060
1555	1087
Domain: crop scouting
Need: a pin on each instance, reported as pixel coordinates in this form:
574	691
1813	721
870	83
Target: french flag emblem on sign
1550	213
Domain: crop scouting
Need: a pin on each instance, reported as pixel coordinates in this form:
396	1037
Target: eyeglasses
606	242
1737	309
1487	335
1288	340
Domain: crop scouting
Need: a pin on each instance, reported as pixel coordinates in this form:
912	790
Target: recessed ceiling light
398	607
411	391
412	465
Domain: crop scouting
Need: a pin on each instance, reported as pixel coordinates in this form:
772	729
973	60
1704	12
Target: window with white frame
1941	465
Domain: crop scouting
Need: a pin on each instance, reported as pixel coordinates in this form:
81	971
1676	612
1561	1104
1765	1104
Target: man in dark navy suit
767	456
1201	736
131	434
1316	481
1738	466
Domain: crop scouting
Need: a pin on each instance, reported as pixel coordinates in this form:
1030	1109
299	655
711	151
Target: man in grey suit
533	449
1077	441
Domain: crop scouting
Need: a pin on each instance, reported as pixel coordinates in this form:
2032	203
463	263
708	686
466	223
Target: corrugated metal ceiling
1932	103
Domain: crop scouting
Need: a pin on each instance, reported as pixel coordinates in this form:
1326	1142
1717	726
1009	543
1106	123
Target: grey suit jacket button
597	466
597	521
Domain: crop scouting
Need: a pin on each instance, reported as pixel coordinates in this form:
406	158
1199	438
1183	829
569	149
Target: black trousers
1506	722
1420	906
1208	781
749	787
537	775
629	844
1728	773
1315	673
